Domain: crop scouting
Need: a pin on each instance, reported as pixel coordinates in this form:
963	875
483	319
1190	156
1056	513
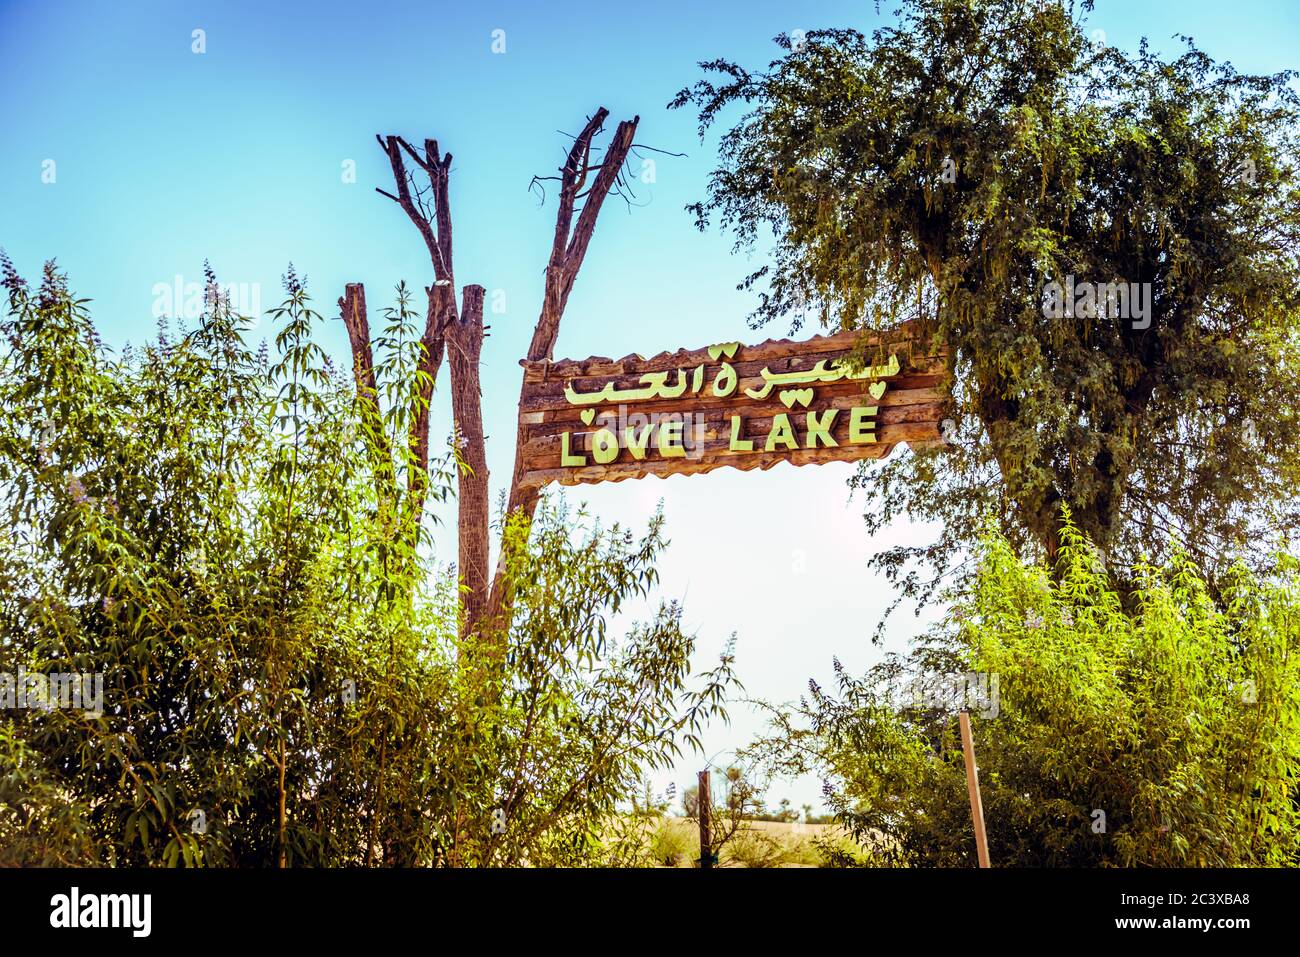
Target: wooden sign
826	399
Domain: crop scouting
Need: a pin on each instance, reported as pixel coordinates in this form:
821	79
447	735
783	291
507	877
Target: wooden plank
973	788
550	393
692	411
904	338
710	435
832	398
663	468
704	809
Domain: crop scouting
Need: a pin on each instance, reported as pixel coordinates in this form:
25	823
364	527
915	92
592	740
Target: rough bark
440	315
428	208
584	186
352	307
568	249
464	346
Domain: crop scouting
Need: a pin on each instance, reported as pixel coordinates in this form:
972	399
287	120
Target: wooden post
973	786
704	808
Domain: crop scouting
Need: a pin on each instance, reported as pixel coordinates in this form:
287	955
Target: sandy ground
755	844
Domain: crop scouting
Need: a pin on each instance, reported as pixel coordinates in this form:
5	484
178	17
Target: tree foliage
198	524
1168	735
949	169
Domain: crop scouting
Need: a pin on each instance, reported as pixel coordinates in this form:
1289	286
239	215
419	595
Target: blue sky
164	158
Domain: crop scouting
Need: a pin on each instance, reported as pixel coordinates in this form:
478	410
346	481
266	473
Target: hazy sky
164	157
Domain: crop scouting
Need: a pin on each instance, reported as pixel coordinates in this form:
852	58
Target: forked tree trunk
585	183
568	250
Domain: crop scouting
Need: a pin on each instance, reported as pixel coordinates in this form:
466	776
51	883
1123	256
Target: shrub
1159	727
199	526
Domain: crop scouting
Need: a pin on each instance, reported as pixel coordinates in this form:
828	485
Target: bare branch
568	249
577	248
352	308
424	164
441	312
464	347
653	149
404	200
432	217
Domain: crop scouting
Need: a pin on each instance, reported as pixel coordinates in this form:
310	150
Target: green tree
197	525
948	170
1165	735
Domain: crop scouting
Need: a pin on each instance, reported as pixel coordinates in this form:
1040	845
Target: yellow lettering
604	447
566	457
670	440
861	431
820	430
636	444
781	432
739	444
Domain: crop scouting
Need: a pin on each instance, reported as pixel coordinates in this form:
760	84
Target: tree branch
435	229
568	249
352	307
464	347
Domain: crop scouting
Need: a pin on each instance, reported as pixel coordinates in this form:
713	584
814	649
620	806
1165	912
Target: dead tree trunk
585	182
567	252
440	316
353	309
464	346
568	249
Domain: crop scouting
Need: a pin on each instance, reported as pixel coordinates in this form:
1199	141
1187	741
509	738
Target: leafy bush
670	844
200	526
1164	734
